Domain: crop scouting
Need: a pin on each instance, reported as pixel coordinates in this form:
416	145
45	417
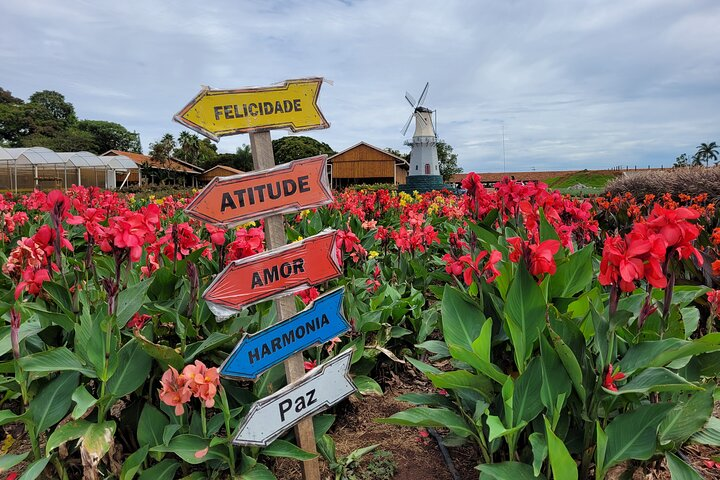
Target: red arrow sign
241	198
274	273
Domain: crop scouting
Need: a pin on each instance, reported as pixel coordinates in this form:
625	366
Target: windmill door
427	169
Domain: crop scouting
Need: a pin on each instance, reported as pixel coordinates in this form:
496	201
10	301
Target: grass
594	180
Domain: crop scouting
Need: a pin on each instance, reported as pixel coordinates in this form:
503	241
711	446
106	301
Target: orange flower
202	381
175	391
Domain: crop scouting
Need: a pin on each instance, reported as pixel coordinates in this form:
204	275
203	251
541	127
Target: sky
517	85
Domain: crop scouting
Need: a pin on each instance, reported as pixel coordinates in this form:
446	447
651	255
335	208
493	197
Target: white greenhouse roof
35	156
5	155
119	162
83	159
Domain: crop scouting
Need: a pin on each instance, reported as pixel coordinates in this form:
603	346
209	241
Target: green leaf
429	399
656	379
691	319
283	448
555	380
458	379
151	425
132	463
482	345
571	364
482	366
601	450
64	433
34	470
710	434
27	329
661	352
60	295
497	429
258	472
187	446
686	419
326	447
164	470
8	461
83	402
422	366
680	470
54	400
133	368
171	429
562	464
367	386
430	417
526	401
633	435
462	319
525	312
163	354
507	470
130	300
215	340
59	359
539	449
574	275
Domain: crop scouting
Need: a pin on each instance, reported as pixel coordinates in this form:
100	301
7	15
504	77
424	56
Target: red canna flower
542	258
32	280
138	321
611	378
308	295
310	364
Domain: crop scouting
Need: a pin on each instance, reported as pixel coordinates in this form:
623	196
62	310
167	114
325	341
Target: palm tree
705	153
189	148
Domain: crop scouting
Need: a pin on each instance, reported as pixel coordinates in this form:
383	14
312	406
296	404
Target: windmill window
416	167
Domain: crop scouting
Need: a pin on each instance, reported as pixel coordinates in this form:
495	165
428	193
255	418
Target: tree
293	147
70	140
705	153
681	161
6	96
241	159
161	150
447	160
188	147
110	136
48	113
397	153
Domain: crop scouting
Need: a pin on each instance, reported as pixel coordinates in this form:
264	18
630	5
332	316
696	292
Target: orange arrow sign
292	104
274	273
241	198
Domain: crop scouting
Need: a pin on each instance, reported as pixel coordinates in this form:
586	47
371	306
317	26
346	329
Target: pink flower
175	392
308	295
310	364
138	321
202	381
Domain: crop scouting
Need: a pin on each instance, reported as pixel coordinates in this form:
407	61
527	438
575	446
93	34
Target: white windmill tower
424	172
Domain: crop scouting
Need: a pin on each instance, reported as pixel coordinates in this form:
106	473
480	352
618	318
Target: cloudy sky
573	84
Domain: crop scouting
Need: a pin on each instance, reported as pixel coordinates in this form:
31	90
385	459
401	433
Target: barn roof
398	159
173	163
223	167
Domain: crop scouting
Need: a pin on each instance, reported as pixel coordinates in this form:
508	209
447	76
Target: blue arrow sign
320	322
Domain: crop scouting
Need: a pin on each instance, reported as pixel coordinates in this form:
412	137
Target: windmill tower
424	172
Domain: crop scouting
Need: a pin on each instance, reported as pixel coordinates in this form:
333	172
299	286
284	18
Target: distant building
172	172
217	171
366	164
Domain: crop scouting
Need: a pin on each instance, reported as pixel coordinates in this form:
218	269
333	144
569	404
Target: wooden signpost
238	199
282	270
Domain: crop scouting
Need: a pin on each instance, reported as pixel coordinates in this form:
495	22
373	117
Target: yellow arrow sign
292	104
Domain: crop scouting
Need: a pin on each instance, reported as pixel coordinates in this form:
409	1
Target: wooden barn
217	171
366	164
172	172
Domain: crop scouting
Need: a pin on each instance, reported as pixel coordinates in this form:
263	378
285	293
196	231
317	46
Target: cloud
588	84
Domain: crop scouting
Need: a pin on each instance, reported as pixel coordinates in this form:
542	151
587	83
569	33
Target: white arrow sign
317	390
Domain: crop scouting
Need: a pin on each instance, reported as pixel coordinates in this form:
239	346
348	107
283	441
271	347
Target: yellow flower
247	225
373	254
298	239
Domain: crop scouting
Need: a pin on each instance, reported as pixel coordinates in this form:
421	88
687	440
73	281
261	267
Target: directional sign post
320	388
237	199
292	104
320	322
274	273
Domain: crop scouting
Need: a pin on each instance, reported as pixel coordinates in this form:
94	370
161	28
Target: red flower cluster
346	241
248	241
641	254
467	266
130	231
539	257
611	378
308	295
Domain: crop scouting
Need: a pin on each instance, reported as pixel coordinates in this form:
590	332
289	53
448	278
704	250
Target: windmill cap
423	109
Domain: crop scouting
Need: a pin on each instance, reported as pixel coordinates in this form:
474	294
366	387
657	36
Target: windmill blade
423	94
435	123
407	124
410	99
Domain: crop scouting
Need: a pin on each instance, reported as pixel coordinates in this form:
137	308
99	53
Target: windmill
424	172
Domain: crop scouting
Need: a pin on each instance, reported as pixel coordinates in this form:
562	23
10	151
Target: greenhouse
24	169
